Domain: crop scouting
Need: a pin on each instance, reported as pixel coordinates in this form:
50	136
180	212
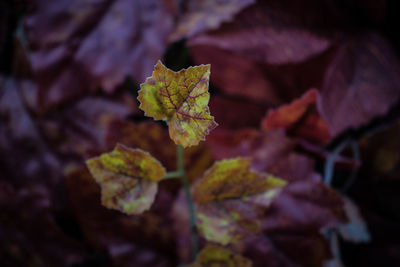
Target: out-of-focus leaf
292	224
128	178
270	151
147	135
300	118
125	239
81	127
272	32
236	75
236	118
356	230
269	85
78	46
201	16
29	232
361	83
181	98
230	199
216	256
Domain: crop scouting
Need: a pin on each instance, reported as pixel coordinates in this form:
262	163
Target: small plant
225	206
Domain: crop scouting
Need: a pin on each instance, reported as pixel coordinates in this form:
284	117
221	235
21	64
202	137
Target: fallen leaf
182	99
128	178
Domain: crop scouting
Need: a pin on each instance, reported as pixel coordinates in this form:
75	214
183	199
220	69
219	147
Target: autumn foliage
199	133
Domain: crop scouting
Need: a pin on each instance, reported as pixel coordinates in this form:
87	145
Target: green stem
173	175
189	202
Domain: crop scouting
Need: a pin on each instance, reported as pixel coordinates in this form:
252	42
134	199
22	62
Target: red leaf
300	118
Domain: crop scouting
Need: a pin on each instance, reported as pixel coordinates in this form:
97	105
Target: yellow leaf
216	256
231	200
128	178
182	99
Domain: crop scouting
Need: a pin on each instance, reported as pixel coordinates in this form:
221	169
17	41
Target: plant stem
189	202
173	175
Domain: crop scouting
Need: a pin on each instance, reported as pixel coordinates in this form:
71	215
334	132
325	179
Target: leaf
148	136
215	256
125	239
270	151
230	199
206	15
78	46
301	118
242	73
181	98
273	32
361	83
128	178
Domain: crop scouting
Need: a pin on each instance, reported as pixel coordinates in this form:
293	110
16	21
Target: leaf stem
173	175
189	202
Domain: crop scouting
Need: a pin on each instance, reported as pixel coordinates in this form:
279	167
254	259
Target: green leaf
128	178
231	198
181	98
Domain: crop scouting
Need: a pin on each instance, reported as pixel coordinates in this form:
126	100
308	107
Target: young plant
230	197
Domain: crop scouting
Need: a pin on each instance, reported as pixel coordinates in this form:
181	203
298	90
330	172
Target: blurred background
309	90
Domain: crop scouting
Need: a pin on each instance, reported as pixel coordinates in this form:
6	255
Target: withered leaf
230	198
128	178
216	256
181	98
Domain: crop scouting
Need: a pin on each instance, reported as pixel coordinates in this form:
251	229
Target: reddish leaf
79	46
300	118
